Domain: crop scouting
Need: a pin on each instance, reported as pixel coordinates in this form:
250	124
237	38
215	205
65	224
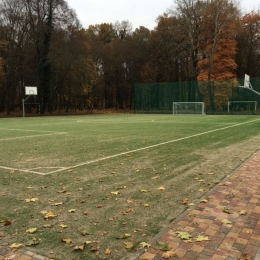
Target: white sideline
30	136
20	170
29	130
128	152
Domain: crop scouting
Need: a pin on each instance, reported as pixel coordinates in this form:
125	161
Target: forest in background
43	44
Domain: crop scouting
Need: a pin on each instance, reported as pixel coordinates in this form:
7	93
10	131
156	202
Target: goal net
242	107
188	108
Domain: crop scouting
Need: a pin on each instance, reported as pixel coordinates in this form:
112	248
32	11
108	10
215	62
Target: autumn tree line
43	44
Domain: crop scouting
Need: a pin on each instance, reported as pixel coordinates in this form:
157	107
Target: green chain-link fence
158	98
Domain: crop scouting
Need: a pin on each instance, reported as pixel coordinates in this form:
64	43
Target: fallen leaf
99	206
88	242
201	238
185	201
161	246
72	210
33	242
57	204
11	172
63	226
84	233
123	236
226	222
168	254
31	200
161	188
107	252
16	246
78	248
7	222
129	201
144	191
155	178
144	244
183	235
204	201
94	249
66	240
31	230
47	226
146	205
242	212
50	214
114	192
129	245
200	190
226	210
62	191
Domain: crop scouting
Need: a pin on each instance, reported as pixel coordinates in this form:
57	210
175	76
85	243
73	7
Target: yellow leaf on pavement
226	222
168	254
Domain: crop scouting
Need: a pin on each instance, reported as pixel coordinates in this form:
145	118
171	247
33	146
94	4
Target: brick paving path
238	240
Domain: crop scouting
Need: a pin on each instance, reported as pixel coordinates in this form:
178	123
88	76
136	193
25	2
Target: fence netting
220	97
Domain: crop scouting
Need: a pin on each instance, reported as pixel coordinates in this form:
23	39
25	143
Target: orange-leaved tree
218	47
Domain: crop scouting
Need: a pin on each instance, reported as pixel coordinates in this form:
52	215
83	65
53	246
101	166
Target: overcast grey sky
138	12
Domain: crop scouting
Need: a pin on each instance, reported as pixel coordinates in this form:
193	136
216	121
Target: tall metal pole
23	107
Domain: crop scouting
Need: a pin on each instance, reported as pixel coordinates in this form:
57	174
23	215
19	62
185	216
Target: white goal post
239	103
188	108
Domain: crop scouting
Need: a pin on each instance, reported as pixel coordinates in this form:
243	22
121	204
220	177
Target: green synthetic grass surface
67	146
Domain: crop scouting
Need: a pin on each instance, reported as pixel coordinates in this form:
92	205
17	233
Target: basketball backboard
247	81
29	91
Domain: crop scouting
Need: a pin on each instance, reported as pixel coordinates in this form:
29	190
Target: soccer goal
188	108
242	107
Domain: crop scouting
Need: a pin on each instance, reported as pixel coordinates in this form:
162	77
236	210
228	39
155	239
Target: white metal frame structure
200	107
248	85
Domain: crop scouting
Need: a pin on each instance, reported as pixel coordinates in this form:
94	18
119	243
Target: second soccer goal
188	108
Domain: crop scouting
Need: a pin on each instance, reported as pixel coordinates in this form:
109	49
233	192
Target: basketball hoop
30	91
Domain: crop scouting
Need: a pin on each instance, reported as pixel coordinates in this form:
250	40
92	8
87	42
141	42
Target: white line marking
29	130
20	170
132	151
30	136
151	146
